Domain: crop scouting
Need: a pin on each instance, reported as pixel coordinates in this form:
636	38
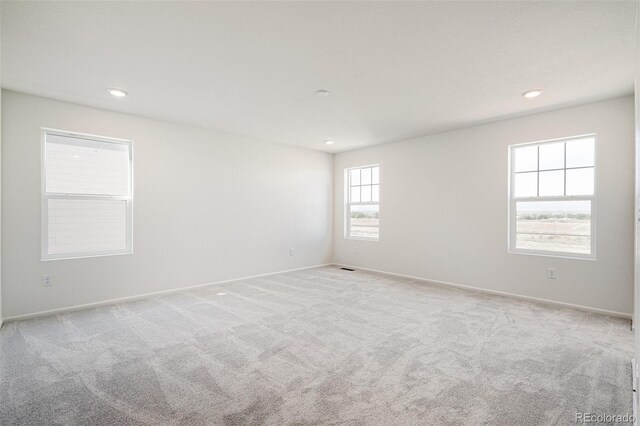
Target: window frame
348	203
513	200
46	196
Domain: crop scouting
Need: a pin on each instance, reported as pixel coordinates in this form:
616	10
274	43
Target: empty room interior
319	212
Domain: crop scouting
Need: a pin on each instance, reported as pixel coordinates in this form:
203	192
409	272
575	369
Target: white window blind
87	196
85	166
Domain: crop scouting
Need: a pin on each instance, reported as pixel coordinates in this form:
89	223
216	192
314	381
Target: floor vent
348	269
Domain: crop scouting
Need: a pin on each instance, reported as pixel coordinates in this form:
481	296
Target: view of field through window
364	221
561	226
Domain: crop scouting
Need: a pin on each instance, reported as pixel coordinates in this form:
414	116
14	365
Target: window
552	199
363	196
86	195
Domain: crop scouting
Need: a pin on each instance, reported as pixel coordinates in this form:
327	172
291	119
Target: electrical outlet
356	250
290	252
46	280
551	273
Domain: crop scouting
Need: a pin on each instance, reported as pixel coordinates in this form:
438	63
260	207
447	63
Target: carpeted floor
320	346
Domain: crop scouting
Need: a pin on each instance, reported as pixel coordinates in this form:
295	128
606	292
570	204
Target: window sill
375	240
567	256
85	256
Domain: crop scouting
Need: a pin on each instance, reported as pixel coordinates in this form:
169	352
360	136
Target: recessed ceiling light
322	93
329	142
532	93
118	93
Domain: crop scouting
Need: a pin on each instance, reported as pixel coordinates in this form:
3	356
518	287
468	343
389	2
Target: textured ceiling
395	70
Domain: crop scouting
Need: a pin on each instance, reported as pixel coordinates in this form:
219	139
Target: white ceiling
396	70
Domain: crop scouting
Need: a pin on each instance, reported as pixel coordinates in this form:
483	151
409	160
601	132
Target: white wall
443	209
208	206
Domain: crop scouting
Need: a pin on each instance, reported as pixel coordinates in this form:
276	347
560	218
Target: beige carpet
321	346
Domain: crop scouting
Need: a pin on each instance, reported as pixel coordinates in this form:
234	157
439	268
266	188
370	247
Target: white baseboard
145	295
497	292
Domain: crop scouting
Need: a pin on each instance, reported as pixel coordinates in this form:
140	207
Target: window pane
366	176
376	175
354	177
375	193
364	221
580	152
552	183
555	226
84	226
84	166
526	184
366	194
355	194
580	181
526	159
552	156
